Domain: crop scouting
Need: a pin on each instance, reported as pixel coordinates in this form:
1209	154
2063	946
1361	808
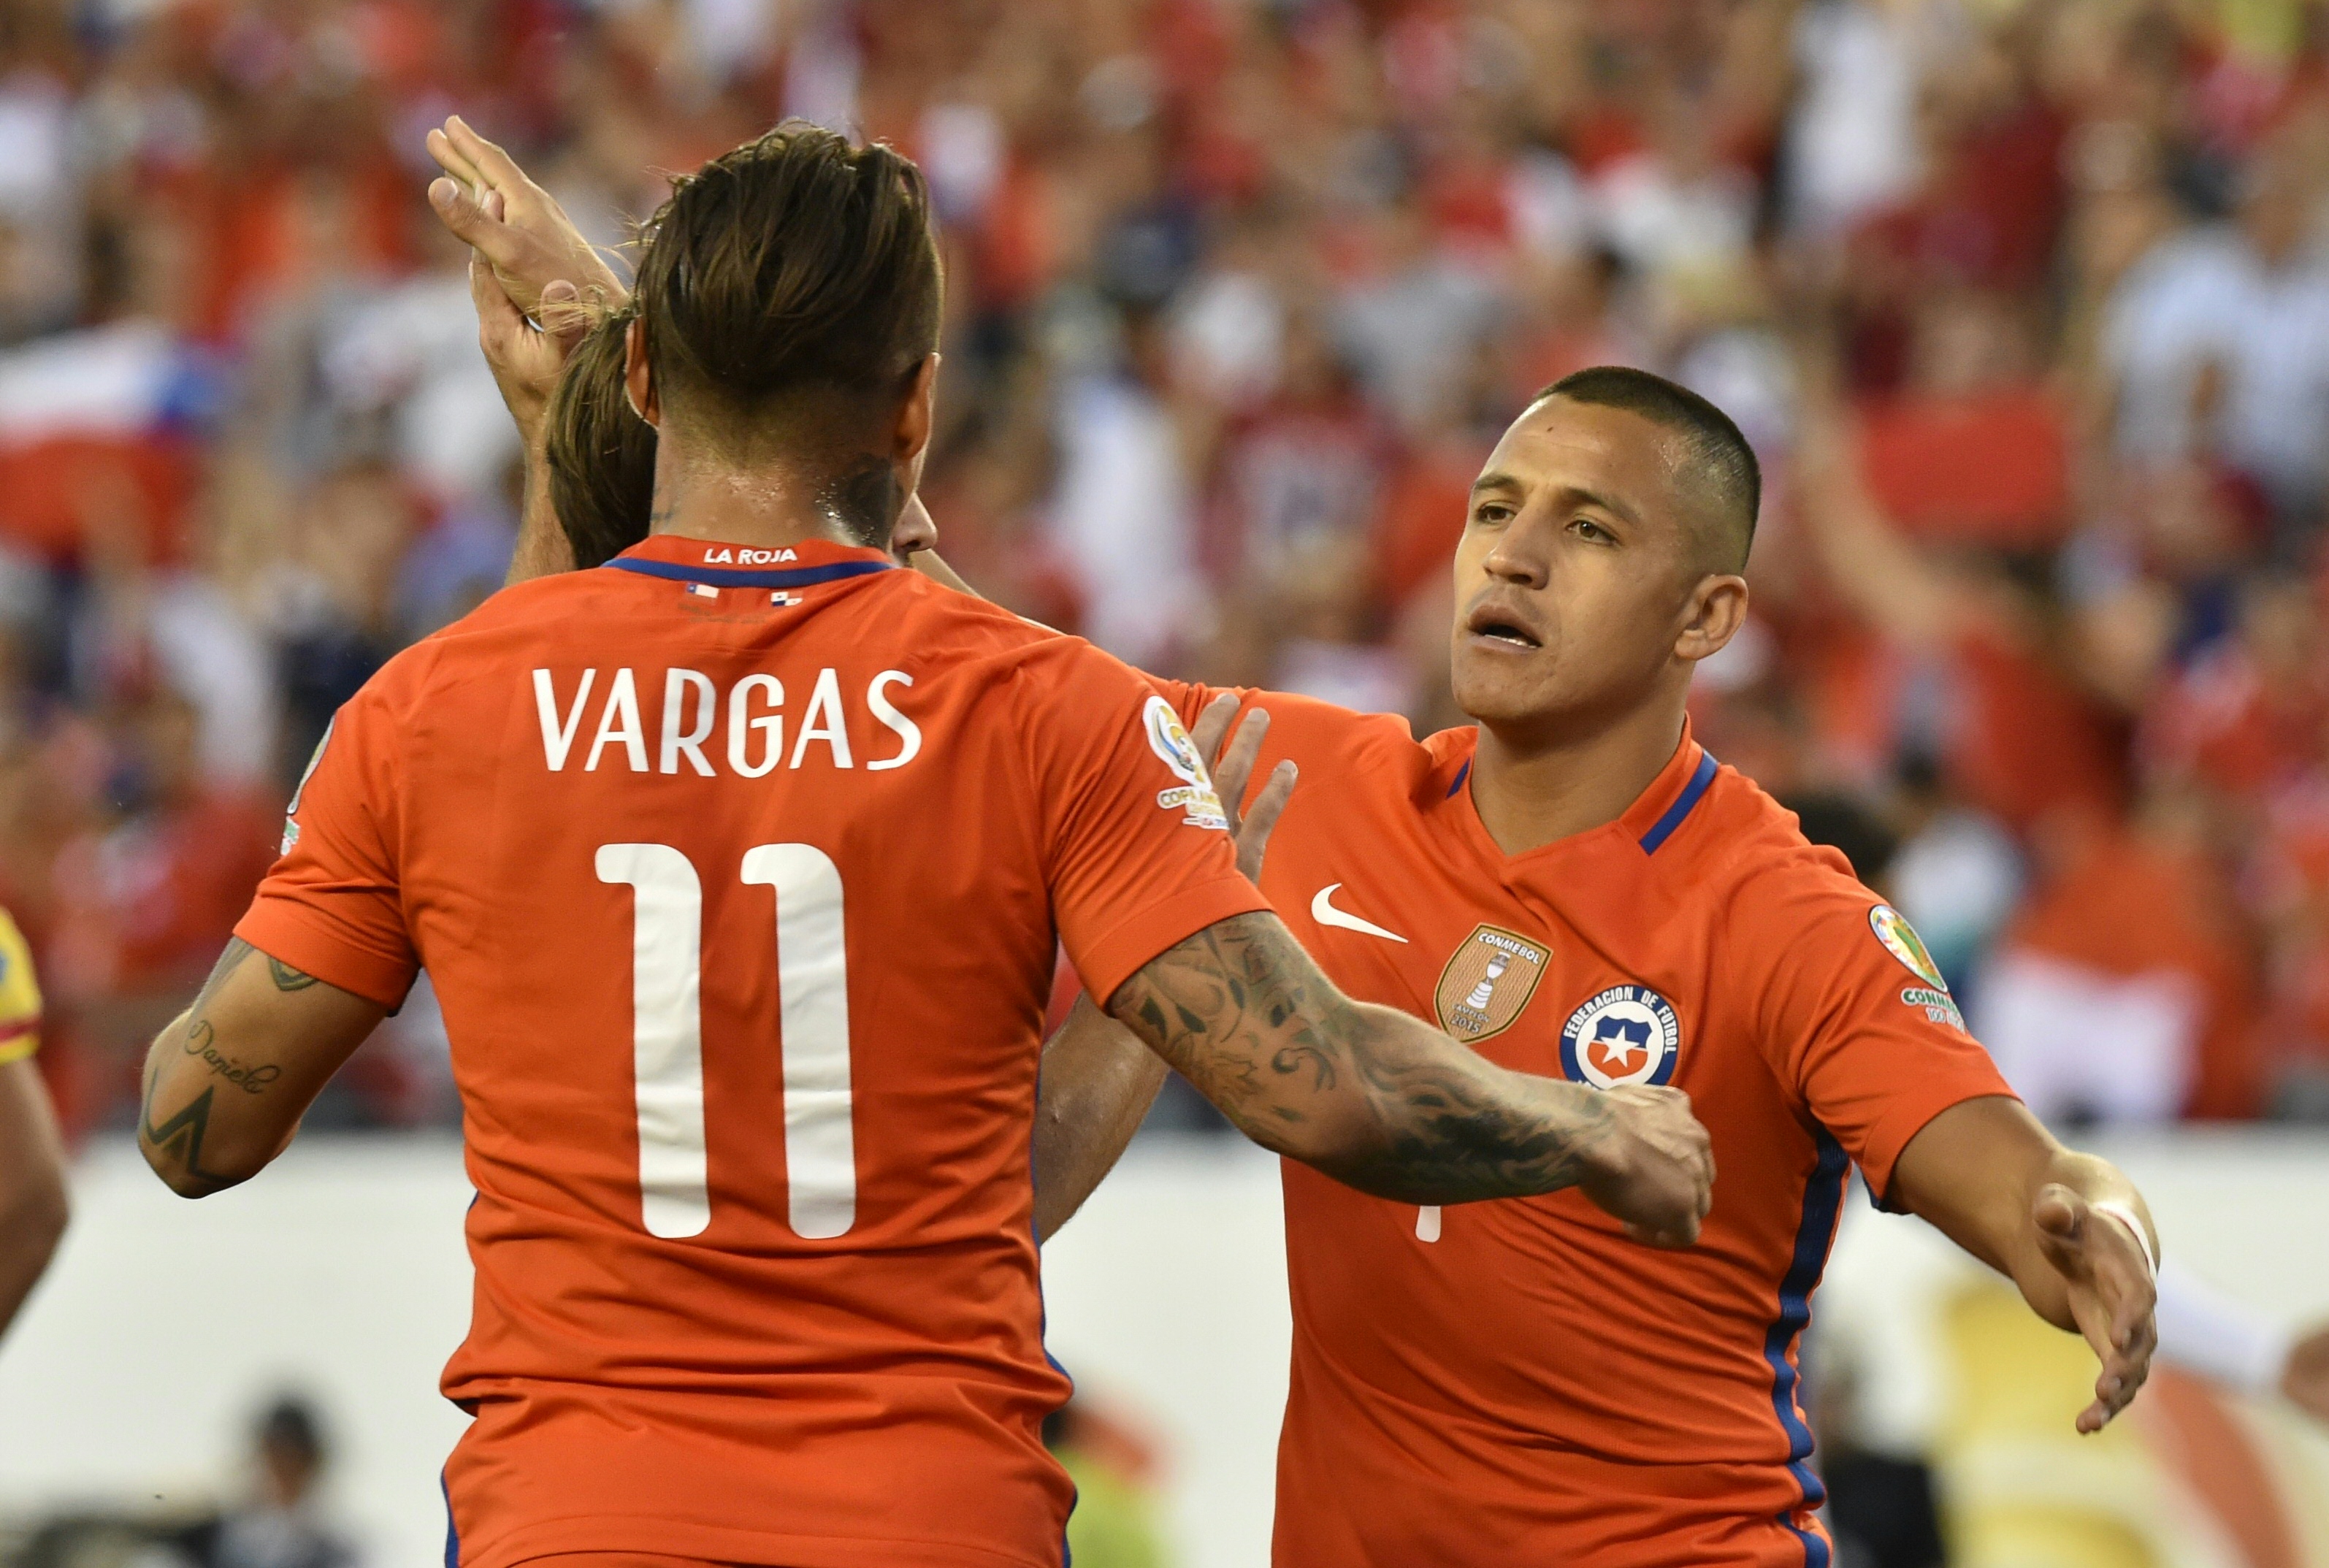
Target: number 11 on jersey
667	1033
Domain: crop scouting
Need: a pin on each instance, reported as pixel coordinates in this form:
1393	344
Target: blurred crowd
2024	302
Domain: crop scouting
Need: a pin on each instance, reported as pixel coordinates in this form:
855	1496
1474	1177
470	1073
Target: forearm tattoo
1242	1010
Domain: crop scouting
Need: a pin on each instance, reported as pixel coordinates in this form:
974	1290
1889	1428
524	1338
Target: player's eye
1593	532
1492	512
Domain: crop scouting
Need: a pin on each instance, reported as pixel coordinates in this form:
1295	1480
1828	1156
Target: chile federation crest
1624	1036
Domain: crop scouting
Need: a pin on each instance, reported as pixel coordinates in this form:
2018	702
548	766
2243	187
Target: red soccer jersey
1516	1381
739	876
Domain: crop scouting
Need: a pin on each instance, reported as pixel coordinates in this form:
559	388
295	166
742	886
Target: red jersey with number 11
739	876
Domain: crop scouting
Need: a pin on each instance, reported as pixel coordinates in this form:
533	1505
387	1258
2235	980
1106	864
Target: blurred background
2024	302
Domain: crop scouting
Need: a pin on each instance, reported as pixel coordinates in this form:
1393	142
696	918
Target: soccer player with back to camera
739	868
1575	887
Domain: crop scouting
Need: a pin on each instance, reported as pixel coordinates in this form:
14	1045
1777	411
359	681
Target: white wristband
2126	1215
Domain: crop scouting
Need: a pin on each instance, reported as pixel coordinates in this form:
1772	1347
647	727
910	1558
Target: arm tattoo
180	1138
202	1040
285	977
288	978
1242	1010
237	950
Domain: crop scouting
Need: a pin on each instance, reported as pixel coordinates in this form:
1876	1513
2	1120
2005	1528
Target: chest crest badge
1626	1034
1488	979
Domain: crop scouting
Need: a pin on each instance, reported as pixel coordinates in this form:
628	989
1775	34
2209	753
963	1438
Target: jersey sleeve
1138	846
1858	1021
332	904
1190	700
20	995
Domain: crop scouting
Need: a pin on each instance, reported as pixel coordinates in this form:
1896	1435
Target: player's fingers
496	168
2132	1310
496	313
2059	1217
1253	833
472	223
2120	1374
455	207
1212	725
563	313
1672	1241
451	159
1234	769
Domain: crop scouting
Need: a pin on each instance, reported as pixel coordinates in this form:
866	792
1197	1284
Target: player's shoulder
1752	855
1325	739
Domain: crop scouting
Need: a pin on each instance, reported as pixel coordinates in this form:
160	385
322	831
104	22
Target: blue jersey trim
1823	1205
452	1531
1663	828
1461	774
736	577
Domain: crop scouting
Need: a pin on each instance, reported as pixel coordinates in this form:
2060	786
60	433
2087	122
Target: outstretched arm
1392	1107
1099	1078
228	1081
1995	1182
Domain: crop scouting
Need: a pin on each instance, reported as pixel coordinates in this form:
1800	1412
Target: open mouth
1487	625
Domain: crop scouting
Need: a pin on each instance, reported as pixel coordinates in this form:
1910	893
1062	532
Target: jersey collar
725	565
1653	818
1672	796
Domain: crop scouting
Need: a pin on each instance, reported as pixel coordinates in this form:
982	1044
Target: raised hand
1232	770
1653	1170
525	360
2111	1294
525	236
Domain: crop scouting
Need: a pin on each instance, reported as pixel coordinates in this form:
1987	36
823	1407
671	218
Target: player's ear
639	381
1716	609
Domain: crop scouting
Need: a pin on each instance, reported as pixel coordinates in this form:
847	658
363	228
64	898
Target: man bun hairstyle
600	454
792	272
1723	463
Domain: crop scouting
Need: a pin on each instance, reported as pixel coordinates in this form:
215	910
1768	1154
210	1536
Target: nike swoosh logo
1322	910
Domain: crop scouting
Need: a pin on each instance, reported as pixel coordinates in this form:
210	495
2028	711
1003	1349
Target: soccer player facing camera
739	867
1575	887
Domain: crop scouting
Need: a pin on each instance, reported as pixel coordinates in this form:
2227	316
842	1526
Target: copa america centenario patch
1194	796
1901	941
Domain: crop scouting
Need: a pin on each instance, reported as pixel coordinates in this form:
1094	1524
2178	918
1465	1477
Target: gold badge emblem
1489	978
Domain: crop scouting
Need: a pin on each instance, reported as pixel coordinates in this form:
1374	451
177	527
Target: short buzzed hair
1722	462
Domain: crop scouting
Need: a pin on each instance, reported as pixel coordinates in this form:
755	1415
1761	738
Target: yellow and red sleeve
20	995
